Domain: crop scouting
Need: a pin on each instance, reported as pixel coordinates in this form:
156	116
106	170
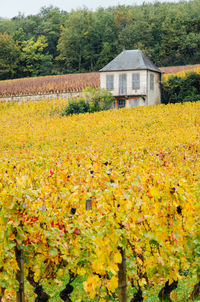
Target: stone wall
38	97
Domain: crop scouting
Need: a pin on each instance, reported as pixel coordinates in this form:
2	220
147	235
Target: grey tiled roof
130	60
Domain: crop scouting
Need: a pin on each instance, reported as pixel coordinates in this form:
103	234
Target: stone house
132	79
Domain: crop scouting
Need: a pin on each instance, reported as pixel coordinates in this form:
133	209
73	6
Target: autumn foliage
49	84
138	168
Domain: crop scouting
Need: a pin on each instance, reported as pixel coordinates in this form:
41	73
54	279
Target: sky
11	8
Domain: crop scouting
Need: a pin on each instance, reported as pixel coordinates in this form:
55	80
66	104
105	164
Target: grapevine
79	193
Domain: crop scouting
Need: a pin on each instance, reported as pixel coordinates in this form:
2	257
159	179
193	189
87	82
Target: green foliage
178	90
9	54
92	100
88	40
7	26
52	21
34	60
97	99
193	98
76	107
78	43
84	40
26	31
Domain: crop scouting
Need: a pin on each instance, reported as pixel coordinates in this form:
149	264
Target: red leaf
51	173
77	231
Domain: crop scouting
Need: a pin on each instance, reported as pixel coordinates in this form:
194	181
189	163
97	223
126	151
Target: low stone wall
38	97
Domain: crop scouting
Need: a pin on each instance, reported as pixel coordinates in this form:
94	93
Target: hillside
79	193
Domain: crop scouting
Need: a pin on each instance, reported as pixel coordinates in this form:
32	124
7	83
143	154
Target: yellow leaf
113	268
91	285
117	257
81	271
154	192
97	265
142	282
112	283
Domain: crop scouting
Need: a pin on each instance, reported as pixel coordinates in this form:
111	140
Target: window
122	84
109	82
121	103
152	81
135	81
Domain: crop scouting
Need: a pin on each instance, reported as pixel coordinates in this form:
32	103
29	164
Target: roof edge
133	59
159	71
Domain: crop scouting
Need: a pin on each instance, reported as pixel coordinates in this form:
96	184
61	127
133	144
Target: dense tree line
58	42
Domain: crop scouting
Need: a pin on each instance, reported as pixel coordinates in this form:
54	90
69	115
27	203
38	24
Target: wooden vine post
122	277
20	274
88	204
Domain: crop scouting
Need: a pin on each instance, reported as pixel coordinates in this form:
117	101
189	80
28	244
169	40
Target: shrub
83	106
93	99
76	107
193	98
178	90
97	99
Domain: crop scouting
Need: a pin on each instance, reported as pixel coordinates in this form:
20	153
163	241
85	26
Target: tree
83	40
31	25
47	23
7	26
52	20
77	42
33	58
9	57
108	36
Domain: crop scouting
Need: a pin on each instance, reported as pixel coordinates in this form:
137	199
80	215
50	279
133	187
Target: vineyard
49	84
99	207
179	72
